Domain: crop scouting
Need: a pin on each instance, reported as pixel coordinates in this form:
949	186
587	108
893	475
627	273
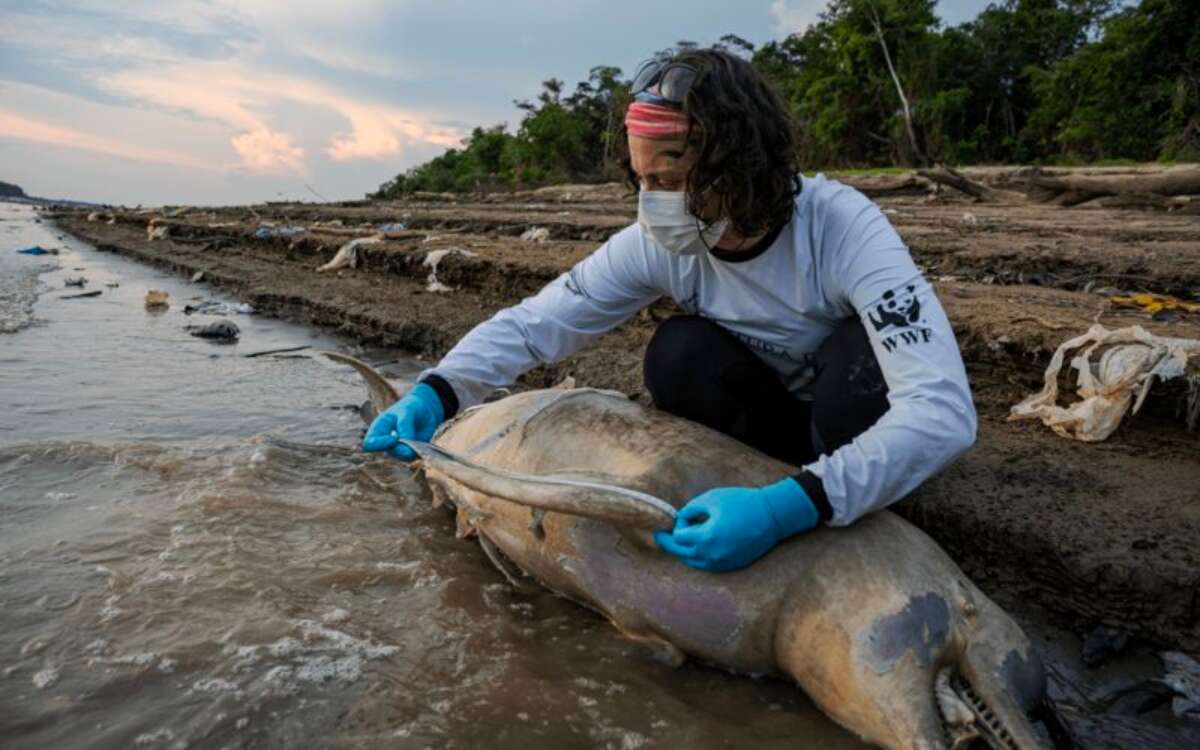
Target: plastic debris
216	307
220	330
197	277
347	255
535	234
266	232
1183	677
1101	643
395	226
433	259
1122	377
78	281
157	231
156	298
37	250
1155	303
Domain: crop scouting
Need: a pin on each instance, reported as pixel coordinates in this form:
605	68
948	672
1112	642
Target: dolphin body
874	622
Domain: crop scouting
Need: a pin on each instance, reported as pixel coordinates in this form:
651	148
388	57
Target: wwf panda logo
897	307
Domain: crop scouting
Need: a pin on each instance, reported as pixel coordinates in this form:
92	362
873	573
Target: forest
880	83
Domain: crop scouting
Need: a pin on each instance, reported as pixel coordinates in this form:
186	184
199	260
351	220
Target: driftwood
1071	190
889	185
943	175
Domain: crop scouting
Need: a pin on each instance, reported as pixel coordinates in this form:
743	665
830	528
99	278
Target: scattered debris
278	351
1106	391
156	231
1156	304
347	255
395	226
100	216
1101	643
216	307
535	234
79	281
197	277
220	330
156	298
81	296
266	232
37	250
433	259
1183	676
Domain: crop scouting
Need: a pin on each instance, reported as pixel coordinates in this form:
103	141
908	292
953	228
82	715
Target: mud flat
1091	533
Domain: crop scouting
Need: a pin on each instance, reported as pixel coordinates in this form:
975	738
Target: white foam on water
335	616
215	685
153	738
135	660
285	647
323	669
110	611
45	677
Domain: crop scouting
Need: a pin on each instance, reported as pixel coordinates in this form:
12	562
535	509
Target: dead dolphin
874	622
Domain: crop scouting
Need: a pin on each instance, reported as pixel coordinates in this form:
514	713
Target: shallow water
194	553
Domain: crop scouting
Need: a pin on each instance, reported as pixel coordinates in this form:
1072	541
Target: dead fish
220	330
874	622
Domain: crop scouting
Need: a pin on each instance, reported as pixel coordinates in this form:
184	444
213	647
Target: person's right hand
414	417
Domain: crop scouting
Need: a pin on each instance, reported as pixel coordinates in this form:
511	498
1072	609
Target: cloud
21	128
266	150
794	16
242	97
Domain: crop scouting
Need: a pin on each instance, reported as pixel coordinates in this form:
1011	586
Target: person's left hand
730	527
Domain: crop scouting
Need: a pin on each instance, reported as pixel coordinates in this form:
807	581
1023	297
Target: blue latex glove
414	417
730	527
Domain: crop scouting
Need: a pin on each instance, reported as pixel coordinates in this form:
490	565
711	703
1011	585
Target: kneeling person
808	332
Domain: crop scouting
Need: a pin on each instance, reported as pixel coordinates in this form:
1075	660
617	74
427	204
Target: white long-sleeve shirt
839	256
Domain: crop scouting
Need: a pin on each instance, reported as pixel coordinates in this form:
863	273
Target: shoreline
1091	533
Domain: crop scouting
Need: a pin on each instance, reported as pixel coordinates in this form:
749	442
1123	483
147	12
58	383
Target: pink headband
655	121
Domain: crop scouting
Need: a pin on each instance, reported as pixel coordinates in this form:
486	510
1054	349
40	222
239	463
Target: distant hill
9	190
14	194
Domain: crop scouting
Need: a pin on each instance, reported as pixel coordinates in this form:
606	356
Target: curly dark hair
741	141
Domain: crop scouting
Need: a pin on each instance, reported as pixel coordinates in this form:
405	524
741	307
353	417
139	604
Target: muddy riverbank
1093	533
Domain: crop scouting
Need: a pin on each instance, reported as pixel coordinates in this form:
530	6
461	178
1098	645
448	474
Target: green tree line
885	82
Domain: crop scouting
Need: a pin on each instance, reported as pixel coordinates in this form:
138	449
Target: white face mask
664	216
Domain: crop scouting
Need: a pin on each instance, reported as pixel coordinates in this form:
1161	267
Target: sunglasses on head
661	81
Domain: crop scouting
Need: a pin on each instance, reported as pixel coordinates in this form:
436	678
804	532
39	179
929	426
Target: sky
217	102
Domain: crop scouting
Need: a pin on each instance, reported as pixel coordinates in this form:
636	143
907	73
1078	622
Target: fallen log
888	185
943	175
1072	190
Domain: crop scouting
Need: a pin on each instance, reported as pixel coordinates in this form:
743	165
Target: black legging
702	372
